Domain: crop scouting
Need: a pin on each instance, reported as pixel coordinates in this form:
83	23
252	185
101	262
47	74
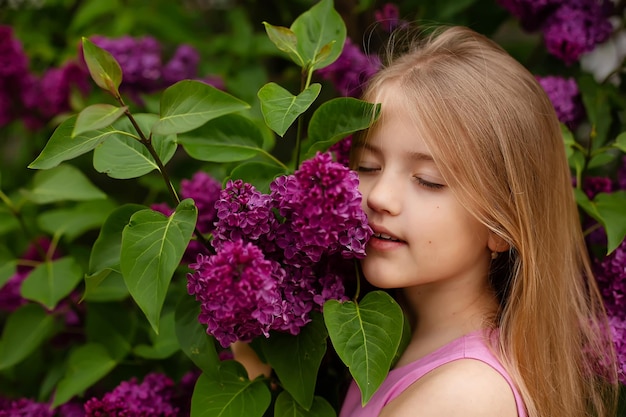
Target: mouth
384	236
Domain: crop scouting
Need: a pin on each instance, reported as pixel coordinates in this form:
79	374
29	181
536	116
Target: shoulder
464	387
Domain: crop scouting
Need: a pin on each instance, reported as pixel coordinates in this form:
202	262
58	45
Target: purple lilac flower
565	97
205	191
531	13
55	88
238	291
13	73
244	213
592	186
388	17
25	407
183	65
618	332
574	28
351	70
151	398
322	209
611	276
341	151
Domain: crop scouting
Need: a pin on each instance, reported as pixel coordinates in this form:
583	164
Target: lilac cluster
618	332
565	97
154	397
34	99
351	70
388	17
26	407
341	150
570	28
280	256
143	67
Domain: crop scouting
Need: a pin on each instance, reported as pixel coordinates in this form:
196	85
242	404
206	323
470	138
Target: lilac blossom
13	75
531	13
205	191
25	407
618	333
183	65
565	97
574	28
238	291
351	70
151	398
321	206
611	276
244	213
592	186
341	150
388	17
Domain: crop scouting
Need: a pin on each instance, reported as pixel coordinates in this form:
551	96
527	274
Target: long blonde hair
497	141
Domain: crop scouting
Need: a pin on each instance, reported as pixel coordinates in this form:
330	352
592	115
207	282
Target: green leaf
285	40
62	147
258	174
152	247
620	142
97	116
106	250
164	344
611	208
336	119
87	364
597	106
105	285
24	331
75	221
366	336
112	327
228	138
601	160
281	108
319	28
230	395
62	183
193	339
123	156
51	281
7	270
286	406
189	104
296	359
104	69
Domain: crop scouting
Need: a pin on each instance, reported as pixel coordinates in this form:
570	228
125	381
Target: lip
384	244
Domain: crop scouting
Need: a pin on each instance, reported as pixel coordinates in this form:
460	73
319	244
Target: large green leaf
228	138
96	116
105	285
164	344
104	69
296	359
189	104
285	40
7	270
321	34
113	327
286	406
152	247
73	222
62	183
611	208
24	331
62	147
193	338
366	336
229	395
620	142
336	119
123	156
51	281
86	365
281	108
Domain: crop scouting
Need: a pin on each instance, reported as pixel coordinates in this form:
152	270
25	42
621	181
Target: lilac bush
565	97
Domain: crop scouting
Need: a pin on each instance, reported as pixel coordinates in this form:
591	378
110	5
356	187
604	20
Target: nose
382	194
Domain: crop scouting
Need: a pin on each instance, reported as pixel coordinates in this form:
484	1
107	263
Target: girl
467	188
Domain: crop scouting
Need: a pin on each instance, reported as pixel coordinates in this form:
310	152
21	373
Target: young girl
467	188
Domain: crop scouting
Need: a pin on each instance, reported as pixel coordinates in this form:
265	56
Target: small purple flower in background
592	186
205	191
322	209
153	397
24	407
183	65
351	70
611	276
531	13
238	291
618	332
388	17
575	28
13	75
341	151
565	97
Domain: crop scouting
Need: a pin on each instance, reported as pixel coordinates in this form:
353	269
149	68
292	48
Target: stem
304	84
357	293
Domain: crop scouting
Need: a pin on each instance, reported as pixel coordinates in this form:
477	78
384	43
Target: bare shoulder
465	387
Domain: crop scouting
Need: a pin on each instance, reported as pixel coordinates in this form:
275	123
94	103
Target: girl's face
422	234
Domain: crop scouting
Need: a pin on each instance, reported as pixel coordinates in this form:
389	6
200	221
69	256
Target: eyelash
420	181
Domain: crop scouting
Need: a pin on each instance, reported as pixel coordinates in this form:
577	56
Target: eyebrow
417	156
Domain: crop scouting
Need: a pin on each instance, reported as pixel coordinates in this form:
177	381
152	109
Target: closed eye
428	184
367	169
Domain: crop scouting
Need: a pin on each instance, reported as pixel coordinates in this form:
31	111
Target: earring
494	255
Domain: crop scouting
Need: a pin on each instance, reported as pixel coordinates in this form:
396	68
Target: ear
496	243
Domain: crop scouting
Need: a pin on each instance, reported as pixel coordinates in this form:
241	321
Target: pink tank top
470	346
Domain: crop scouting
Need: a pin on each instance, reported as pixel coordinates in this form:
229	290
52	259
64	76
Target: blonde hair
497	141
